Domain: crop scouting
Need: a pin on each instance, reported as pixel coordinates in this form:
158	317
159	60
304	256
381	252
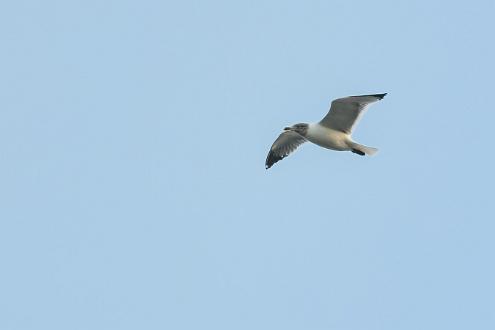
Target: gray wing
286	143
345	112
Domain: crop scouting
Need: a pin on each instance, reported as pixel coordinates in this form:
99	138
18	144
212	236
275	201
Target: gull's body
332	132
327	137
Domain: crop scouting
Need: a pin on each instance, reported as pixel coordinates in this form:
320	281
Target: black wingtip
272	159
379	96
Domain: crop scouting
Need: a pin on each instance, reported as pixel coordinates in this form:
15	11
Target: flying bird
332	132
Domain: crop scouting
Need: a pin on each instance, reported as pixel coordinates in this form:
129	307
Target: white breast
327	137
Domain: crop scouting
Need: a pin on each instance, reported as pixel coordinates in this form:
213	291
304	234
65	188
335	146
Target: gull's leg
359	152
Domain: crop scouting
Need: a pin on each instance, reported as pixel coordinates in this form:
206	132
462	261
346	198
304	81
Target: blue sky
133	192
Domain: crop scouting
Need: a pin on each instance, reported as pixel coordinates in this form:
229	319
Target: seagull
332	132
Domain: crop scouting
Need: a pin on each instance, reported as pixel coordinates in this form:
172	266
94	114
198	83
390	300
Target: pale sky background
133	192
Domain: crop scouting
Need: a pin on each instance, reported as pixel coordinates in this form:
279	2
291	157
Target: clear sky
133	192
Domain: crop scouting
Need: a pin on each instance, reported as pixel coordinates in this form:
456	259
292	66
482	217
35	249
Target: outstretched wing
286	143
345	112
